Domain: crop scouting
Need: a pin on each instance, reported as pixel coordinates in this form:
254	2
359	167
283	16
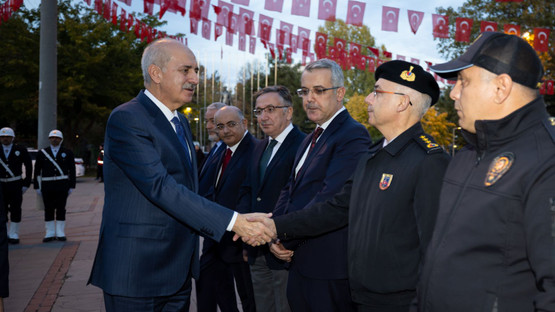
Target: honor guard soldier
12	160
54	180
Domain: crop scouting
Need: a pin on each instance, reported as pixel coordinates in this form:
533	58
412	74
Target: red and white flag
488	26
225	9
463	29
303	36
401	57
549	87
300	8
229	38
194	25
288	57
206	27
242	2
252	44
246	21
321	45
294	43
218	31
355	12
541	39
415	19
441	26
274	5
511	29
374	51
371	64
242	42
233	23
415	61
390	18
326	10
285	32
354	53
265	27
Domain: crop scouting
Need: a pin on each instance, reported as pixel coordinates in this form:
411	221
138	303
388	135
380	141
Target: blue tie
181	136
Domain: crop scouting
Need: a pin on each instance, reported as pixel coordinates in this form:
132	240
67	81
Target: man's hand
254	233
280	252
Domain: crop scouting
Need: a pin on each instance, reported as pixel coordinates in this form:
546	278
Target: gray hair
337	78
156	54
421	102
234	109
215	105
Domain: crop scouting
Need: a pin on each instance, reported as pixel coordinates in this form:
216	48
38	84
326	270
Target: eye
318	90
270	109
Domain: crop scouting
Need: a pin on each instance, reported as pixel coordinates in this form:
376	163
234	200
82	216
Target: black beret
409	75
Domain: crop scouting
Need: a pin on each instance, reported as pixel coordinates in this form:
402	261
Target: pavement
53	276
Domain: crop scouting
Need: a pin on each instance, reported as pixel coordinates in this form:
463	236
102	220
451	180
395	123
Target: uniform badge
63	155
385	182
498	167
408	75
16	153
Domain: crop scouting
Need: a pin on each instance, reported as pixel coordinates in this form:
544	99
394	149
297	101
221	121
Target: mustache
311	106
189	86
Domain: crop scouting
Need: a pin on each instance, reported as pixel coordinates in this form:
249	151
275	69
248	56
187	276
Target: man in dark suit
218	147
12	160
148	245
4	263
218	259
325	160
54	180
272	161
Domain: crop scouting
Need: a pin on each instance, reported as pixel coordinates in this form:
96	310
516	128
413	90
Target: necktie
6	153
315	137
225	161
266	158
181	136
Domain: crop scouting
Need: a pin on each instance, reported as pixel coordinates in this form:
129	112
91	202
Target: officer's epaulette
549	124
428	143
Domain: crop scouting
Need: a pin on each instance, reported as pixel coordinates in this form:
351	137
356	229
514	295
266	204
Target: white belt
64	177
11	179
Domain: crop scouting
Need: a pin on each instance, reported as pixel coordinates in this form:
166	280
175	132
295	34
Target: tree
528	14
436	124
358	109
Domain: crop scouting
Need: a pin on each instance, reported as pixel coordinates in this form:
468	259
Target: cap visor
450	69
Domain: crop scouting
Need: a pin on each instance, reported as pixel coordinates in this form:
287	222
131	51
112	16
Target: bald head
159	53
231	124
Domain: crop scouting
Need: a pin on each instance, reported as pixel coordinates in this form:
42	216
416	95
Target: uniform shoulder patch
428	143
549	124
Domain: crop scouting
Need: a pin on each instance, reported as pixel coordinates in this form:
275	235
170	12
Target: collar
395	146
55	148
165	110
281	137
327	123
8	146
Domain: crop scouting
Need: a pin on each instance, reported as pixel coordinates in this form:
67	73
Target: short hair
421	102
337	78
215	105
156	53
282	91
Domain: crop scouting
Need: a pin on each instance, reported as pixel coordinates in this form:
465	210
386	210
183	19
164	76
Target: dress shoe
13	241
62	238
48	239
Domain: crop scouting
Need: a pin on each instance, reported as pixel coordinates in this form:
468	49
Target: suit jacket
148	243
262	196
325	170
210	169
45	168
17	159
226	193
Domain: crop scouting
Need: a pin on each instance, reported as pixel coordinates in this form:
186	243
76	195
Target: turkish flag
194	25
274	5
441	26
309	56
541	39
374	51
173	6
463	29
294	43
148	7
415	61
252	44
107	10
355	12
218	31
326	10
511	29
415	19
206	27
264	27
128	2
229	38
300	7
115	14
280	48
233	23
242	42
195	9
401	57
542	88
340	45
285	33
130	21
321	45
123	21
488	26
361	64
379	62
288	57
549	87
332	54
242	2
354	53
246	21
371	64
303	35
390	18
225	9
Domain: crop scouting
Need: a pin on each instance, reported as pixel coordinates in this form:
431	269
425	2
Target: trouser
270	286
13	197
215	286
55	203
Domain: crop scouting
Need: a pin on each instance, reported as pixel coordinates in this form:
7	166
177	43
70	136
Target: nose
369	98
456	91
194	79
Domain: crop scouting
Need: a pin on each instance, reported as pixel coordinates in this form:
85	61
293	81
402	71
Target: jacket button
258	199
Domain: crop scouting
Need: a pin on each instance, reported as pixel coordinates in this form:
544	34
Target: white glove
39	192
24	189
69	192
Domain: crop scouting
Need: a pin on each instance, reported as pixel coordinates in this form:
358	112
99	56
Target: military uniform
14	182
54	176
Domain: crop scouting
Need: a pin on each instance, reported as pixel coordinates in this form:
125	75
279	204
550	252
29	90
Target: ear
155	73
504	85
289	113
340	94
245	123
403	104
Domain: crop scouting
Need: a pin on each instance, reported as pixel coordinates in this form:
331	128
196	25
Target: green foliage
437	125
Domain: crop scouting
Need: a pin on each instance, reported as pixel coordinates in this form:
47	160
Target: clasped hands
258	229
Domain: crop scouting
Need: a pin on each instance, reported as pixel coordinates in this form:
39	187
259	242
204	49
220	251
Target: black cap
498	53
409	75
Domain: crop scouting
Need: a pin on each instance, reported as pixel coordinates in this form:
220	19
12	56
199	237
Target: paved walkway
53	276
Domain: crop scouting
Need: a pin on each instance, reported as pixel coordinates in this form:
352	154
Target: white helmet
56	134
7	132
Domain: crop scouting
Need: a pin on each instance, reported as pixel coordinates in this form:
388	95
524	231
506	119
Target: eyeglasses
230	125
269	109
316	90
376	91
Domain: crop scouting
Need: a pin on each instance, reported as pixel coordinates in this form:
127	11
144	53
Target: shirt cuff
232	222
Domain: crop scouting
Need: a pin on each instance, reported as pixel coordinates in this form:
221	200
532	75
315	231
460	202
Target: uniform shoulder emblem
549	124
428	143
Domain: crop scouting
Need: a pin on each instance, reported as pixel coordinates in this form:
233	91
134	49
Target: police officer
54	179
12	160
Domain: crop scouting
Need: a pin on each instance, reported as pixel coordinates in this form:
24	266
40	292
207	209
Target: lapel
278	157
236	157
213	158
257	155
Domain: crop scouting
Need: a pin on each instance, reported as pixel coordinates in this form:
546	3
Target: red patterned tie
227	157
315	137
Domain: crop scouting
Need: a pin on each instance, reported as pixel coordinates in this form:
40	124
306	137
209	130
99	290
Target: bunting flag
252	44
285	30
303	38
114	14
223	10
339	50
218	31
415	61
355	12
233	23
371	64
195	9
294	43
300	8
242	2
123	21
229	38
401	57
541	39
194	25
321	45
148	7
386	54
274	5
511	29
354	53
374	51
441	26
265	28
390	18
272	50
288	57
415	19
280	49
361	64
463	29
246	21
326	10
206	27
549	87
488	26
128	2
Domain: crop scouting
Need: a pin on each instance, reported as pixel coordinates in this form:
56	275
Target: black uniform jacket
17	158
493	247
45	168
391	202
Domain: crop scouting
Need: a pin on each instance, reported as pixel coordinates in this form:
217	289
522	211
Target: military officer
54	180
12	161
